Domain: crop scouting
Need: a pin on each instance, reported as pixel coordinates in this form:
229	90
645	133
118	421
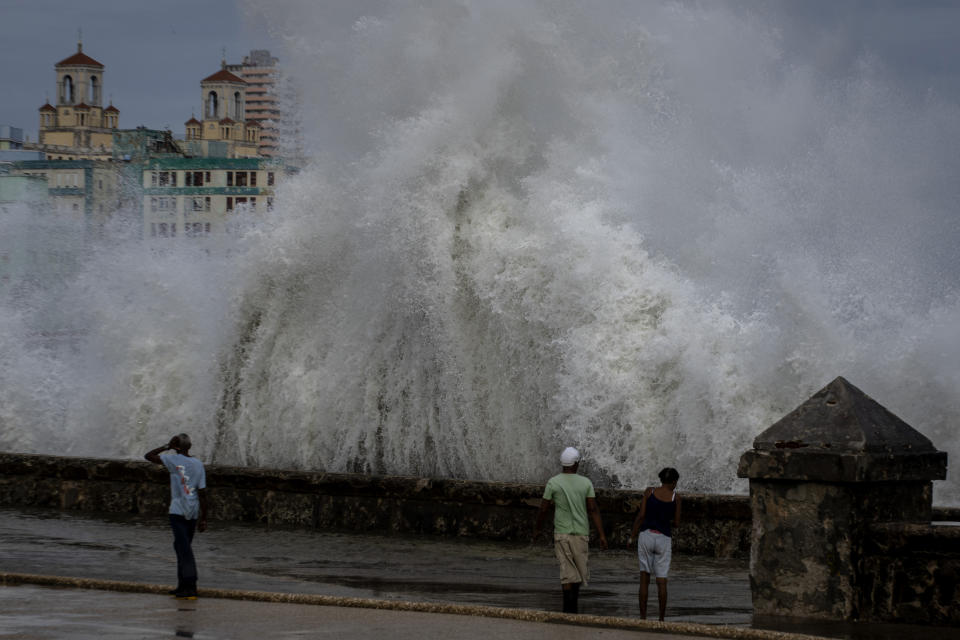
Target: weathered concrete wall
841	499
712	525
913	573
908	572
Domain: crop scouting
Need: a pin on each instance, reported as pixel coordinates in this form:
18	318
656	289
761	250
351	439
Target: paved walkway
103	578
406	568
123	611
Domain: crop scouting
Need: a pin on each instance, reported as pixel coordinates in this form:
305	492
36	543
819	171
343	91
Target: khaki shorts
572	553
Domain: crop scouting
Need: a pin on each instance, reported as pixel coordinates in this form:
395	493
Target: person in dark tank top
659	513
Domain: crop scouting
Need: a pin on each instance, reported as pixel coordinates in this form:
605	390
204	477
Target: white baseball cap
569	457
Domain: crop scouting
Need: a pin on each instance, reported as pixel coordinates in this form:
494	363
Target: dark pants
182	538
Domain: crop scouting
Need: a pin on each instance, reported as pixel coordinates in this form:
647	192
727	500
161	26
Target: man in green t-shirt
572	498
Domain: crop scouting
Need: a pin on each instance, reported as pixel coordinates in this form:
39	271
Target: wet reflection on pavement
426	568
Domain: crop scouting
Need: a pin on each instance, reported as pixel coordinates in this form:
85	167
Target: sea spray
640	230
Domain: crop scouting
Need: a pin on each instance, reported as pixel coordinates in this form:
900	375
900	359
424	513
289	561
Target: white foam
641	232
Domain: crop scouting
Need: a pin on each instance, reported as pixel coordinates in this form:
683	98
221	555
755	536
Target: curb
527	615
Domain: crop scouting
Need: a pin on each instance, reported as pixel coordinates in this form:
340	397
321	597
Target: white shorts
653	550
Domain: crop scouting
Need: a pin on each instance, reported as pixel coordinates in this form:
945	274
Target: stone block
821	479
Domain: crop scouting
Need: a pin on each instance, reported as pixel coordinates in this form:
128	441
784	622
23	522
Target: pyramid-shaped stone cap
843	419
842	435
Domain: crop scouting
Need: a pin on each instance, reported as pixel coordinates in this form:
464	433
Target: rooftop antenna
79	40
223	58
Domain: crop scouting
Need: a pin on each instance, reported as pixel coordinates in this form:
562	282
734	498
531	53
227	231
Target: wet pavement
42	613
427	569
384	567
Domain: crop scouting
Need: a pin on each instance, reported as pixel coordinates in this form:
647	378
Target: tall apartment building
260	71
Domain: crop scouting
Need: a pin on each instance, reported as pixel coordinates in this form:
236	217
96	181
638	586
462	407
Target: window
237	106
67	90
163	204
212	107
253	204
193	178
165	230
229	203
196	229
253	178
241	178
201	203
229	178
163	179
270	178
206	177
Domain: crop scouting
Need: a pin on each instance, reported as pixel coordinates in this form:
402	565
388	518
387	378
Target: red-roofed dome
228	121
192	121
224	76
48	107
111	109
253	123
79	59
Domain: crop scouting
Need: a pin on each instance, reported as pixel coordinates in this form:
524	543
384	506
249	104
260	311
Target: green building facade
199	197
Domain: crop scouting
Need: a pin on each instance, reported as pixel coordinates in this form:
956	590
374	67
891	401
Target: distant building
37	247
78	127
196	197
18	155
262	75
224	131
88	169
86	191
22	189
11	138
132	150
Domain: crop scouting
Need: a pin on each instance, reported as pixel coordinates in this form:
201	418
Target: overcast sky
157	51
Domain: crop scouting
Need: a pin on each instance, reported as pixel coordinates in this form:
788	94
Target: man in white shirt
188	507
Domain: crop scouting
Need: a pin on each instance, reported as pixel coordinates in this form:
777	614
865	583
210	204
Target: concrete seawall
713	525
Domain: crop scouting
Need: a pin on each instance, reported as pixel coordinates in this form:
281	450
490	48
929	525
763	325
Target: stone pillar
819	478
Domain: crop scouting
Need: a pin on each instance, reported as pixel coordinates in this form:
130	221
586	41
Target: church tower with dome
78	126
224	130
